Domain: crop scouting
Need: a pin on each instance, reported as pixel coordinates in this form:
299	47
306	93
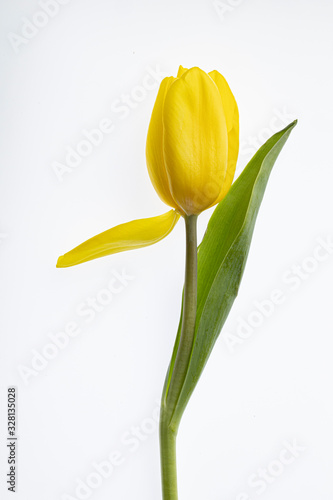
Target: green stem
168	461
168	432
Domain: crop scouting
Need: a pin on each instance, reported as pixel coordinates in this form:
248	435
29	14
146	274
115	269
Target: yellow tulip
192	149
192	143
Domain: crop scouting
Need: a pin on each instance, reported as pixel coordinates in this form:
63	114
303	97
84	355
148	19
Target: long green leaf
221	260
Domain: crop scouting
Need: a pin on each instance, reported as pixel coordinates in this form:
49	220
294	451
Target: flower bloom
193	139
192	149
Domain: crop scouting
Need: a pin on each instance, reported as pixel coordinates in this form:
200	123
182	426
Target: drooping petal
230	109
195	141
129	236
154	147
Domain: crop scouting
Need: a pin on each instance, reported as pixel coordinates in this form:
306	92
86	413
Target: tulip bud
193	140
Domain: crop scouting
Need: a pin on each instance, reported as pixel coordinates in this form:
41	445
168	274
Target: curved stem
168	432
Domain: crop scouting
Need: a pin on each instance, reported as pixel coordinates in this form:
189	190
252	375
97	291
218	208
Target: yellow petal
232	118
129	236
195	141
181	71
154	147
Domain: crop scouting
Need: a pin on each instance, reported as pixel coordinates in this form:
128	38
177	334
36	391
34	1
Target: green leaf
221	260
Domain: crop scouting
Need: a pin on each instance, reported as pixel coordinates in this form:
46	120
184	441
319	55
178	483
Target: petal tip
181	70
60	262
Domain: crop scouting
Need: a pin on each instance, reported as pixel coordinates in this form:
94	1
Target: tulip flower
192	149
191	152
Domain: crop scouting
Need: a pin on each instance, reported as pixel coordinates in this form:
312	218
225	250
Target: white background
276	385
